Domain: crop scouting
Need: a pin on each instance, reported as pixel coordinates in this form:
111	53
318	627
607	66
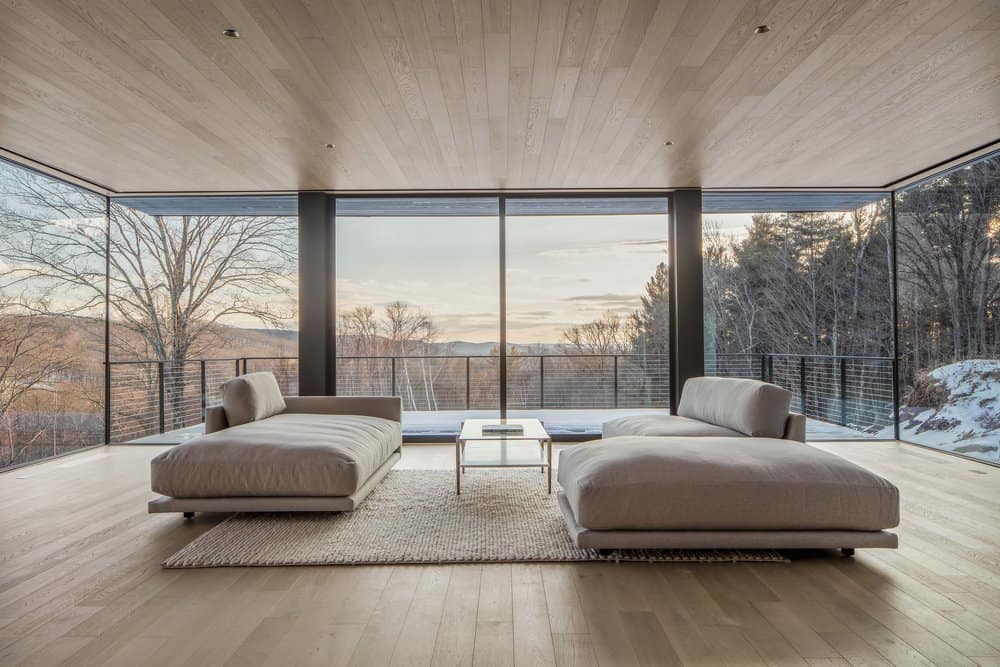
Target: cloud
658	245
532	314
656	242
605	298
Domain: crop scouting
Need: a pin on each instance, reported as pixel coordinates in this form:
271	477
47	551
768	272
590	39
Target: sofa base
724	539
349	503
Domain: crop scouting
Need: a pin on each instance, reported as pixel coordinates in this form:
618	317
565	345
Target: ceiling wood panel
144	96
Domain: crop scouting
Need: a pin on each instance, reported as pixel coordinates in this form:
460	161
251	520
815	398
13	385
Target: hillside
968	420
85	335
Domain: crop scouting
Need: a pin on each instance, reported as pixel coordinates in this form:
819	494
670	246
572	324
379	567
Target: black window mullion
502	229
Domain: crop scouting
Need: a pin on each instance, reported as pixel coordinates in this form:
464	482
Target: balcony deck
443	425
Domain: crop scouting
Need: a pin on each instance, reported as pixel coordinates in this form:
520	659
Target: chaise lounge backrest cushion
753	408
251	397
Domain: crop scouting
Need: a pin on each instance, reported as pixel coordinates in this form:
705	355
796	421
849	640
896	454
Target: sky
730	225
561	270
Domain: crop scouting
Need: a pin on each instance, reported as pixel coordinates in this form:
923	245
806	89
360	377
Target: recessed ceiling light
231	32
761	29
668	143
330	145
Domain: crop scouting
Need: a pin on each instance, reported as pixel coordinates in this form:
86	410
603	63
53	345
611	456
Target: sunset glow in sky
561	270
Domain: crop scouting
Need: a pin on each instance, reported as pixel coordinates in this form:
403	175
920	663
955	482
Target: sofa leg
847	552
188	515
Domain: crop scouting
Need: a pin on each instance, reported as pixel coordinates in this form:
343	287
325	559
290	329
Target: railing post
541	382
107	403
894	368
204	397
616	380
802	383
467	390
770	368
392	389
763	368
244	365
160	381
237	368
843	391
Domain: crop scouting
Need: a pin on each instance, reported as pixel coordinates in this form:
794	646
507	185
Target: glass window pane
948	231
587	309
52	240
202	289
798	291
418	306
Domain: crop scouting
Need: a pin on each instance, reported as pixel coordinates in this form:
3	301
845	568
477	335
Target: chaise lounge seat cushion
664	426
289	454
764	484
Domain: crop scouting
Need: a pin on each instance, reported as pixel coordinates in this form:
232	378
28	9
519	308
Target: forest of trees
948	233
821	284
801	283
817	285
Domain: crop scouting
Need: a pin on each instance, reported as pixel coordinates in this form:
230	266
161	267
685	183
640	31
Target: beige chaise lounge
308	453
705	408
751	490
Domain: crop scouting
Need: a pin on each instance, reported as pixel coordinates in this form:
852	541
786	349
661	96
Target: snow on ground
969	420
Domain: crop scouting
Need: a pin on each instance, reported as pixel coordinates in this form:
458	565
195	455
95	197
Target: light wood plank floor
80	583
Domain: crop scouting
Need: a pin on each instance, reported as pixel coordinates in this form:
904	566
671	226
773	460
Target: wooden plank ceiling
148	95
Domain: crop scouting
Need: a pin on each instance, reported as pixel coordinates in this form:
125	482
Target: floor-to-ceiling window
201	289
798	291
52	248
417	306
588	308
948	236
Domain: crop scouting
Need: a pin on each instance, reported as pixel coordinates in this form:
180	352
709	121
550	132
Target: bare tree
949	249
610	334
359	335
410	331
402	331
30	358
172	279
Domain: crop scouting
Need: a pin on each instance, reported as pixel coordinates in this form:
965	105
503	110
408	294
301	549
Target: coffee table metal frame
472	431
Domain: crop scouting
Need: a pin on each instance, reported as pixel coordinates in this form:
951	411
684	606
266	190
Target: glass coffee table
530	449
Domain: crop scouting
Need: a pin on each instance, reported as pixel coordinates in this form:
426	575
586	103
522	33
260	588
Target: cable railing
155	396
150	397
851	391
539	381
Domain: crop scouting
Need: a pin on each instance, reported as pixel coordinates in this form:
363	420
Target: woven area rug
414	516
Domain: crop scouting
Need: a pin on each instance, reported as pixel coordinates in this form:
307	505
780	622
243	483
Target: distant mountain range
484	349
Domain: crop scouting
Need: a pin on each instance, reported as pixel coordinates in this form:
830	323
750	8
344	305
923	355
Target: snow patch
968	422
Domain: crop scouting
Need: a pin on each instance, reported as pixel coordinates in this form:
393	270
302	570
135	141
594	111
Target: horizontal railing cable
151	396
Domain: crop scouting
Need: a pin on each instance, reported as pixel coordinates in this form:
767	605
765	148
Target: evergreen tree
653	319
